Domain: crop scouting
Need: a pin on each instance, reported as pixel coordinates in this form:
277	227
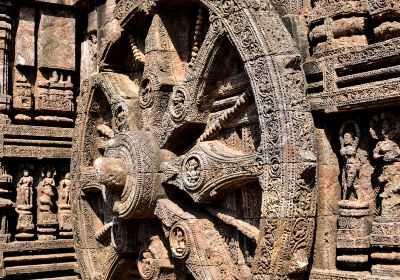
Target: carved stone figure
385	128
64	190
178	104
349	141
192	170
214	146
146	93
46	219
4	176
201	139
24	190
45	192
387	149
24	206
178	242
64	213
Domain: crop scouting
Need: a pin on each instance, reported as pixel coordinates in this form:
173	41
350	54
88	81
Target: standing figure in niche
24	189
386	129
349	140
45	191
64	190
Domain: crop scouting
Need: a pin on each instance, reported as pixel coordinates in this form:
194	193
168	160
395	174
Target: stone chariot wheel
194	155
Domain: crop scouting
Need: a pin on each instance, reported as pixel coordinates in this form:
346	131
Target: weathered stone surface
25	40
202	139
56	39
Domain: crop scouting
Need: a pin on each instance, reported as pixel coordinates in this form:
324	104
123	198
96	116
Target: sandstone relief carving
199	139
201	126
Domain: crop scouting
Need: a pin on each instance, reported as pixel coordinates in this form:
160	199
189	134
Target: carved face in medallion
178	241
177	105
146	93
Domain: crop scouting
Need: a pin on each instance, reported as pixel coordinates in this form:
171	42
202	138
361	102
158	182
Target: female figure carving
64	190
45	192
24	189
349	141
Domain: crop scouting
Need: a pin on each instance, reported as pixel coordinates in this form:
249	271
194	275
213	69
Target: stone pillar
24	70
386	16
331	28
5	40
105	23
328	196
5	204
88	65
354	227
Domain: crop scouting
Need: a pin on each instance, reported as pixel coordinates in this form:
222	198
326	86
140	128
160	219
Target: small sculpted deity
145	93
178	242
192	170
54	77
64	190
180	238
4	176
24	189
45	192
178	102
349	141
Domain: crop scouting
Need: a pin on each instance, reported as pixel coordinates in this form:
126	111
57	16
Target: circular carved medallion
177	103
146	93
178	241
192	171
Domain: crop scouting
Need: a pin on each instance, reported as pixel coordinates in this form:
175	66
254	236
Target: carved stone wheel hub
129	172
195	157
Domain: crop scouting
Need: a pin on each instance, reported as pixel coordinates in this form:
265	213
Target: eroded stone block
56	39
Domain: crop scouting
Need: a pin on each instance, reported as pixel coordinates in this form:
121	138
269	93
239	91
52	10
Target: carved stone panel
56	39
200	139
214	116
